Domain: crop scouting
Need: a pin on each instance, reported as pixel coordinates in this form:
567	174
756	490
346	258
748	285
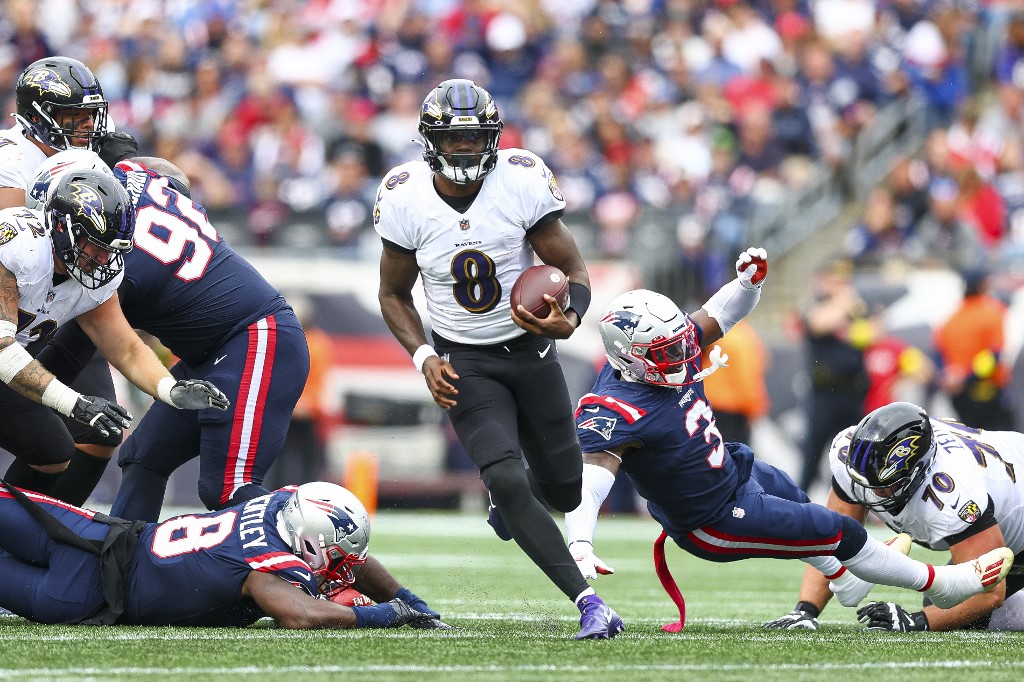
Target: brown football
533	283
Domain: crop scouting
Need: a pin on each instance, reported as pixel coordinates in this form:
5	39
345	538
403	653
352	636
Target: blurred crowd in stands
285	114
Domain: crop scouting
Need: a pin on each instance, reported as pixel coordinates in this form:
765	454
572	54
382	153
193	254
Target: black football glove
116	147
196	394
794	620
407	615
887	615
106	417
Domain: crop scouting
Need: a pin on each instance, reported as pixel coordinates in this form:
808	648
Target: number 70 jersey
971	470
469	261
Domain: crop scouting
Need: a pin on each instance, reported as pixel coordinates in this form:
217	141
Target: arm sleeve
67	353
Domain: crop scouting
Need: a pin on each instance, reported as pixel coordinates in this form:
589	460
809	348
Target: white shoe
957	582
851	590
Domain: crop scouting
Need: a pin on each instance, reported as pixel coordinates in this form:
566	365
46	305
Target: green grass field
512	624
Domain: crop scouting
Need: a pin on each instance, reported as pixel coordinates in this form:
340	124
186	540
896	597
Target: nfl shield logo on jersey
970	512
600	425
463	224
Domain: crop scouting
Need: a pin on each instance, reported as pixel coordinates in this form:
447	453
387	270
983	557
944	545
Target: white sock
829	566
581	522
878	563
585	593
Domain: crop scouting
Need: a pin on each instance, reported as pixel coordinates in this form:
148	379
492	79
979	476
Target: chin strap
718	359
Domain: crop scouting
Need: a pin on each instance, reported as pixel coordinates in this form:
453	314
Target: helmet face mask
91	222
60	104
648	339
890	453
328	528
460	127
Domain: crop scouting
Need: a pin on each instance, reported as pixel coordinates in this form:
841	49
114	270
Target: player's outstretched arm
293	609
736	299
377	583
129	354
599	470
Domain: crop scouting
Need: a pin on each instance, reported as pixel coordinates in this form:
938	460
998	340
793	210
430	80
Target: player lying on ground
281	555
647	414
948	486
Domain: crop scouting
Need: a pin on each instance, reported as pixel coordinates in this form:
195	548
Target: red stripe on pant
252	395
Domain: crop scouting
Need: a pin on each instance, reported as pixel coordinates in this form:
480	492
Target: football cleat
851	590
597	619
956	582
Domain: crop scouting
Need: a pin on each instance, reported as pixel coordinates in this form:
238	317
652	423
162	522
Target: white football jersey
968	468
19	158
469	261
27	252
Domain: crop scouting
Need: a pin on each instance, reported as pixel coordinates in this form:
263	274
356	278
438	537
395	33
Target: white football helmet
648	338
55	166
328	528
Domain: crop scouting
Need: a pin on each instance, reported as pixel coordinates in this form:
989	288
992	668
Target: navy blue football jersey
191	568
176	246
680	464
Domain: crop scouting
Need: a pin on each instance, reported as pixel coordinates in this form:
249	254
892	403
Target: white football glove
752	268
590	566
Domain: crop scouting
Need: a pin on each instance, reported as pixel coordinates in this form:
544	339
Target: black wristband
920	621
579	299
808	608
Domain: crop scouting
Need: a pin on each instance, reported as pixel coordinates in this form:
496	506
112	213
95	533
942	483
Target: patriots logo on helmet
603	426
90	206
970	512
47	80
896	460
342	522
624	320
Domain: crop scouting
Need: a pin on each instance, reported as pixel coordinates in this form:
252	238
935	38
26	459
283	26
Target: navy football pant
771	517
41	579
262	371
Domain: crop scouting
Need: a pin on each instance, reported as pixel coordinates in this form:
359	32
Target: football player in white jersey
64	262
61	111
947	485
468	220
